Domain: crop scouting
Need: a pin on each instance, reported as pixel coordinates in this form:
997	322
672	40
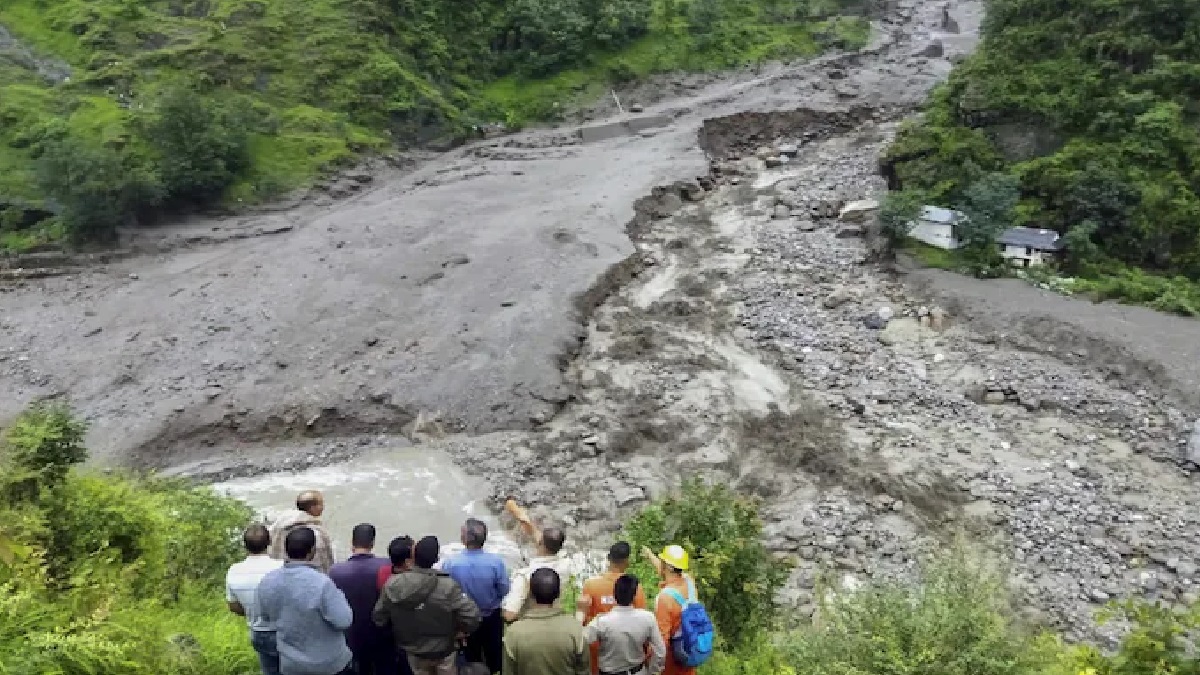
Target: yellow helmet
675	556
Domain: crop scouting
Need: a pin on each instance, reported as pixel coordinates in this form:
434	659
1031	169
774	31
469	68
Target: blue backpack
693	644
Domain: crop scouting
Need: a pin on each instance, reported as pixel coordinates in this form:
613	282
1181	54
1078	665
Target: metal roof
1043	240
936	214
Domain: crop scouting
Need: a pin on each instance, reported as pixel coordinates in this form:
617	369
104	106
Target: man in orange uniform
598	593
672	566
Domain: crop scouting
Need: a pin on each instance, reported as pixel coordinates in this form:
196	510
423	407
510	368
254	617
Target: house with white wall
935	226
1029	247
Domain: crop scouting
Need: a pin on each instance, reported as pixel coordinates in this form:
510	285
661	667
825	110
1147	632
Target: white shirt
241	586
518	600
623	634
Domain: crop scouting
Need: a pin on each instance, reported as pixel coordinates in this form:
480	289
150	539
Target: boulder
1193	447
933	50
667	205
875	322
691	191
850	232
838	298
782	212
858	211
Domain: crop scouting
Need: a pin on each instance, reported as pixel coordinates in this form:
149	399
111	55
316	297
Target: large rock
933	50
858	211
1193	447
667	205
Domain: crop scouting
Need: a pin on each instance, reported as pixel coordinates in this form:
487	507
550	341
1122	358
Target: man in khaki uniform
626	634
545	641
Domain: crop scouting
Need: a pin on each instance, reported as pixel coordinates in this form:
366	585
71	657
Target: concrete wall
626	127
940	235
1022	256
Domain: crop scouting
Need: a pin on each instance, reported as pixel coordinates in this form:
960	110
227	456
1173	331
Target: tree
97	187
989	209
1081	247
704	16
897	213
202	146
41	446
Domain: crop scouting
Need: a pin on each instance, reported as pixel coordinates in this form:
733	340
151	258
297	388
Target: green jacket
546	642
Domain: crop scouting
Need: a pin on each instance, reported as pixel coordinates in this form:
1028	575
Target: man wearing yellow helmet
672	565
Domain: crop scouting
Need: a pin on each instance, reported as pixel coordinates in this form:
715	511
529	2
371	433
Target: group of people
412	613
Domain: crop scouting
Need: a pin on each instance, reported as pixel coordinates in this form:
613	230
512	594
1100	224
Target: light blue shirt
482	576
310	616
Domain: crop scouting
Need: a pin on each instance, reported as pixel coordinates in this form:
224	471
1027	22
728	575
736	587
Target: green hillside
1094	106
276	92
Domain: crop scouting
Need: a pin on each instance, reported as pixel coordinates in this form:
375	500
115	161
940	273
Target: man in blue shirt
484	579
310	614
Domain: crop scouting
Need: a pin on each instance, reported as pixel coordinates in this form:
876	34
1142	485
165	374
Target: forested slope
183	101
1094	105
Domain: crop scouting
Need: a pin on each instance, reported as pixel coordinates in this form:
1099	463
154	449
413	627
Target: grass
1110	281
932	256
46	233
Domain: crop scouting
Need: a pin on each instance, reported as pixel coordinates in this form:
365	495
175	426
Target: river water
403	490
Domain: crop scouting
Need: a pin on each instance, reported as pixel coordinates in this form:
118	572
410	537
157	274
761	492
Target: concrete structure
1029	247
629	126
935	227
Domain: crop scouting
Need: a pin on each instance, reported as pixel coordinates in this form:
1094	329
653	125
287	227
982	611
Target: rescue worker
672	565
598	595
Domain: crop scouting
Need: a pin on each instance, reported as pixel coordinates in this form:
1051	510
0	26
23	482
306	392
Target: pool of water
403	490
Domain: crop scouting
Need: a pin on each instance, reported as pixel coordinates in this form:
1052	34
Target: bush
98	188
736	577
111	574
202	147
43	444
956	620
897	213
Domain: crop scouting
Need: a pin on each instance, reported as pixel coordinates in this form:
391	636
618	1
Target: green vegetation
102	574
734	573
1101	133
106	574
191	102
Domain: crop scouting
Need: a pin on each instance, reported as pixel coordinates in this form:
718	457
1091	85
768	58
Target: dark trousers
486	644
268	655
380	659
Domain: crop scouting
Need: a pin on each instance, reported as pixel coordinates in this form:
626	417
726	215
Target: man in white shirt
549	554
626	635
241	592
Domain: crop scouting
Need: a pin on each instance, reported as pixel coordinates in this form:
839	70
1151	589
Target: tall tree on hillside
989	209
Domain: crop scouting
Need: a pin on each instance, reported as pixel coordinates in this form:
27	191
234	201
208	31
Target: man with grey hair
484	579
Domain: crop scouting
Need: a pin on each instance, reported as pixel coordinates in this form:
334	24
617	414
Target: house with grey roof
1028	246
935	226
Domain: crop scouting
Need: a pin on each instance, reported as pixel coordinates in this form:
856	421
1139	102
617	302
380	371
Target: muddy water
407	490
